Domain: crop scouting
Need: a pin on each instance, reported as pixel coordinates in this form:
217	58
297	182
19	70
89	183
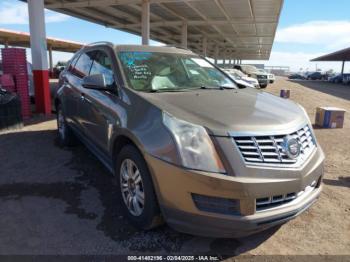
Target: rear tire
136	192
66	136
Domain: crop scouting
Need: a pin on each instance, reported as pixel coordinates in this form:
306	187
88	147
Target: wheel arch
120	141
124	139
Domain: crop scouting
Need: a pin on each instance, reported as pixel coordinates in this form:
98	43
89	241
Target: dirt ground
62	201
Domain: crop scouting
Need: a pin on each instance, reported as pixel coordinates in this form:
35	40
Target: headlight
194	145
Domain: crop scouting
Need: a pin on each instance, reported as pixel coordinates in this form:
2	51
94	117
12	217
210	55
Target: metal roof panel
225	23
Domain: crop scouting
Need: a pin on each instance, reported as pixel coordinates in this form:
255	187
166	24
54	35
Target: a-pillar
39	56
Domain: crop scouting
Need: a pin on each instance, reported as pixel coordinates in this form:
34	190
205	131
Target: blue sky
307	28
296	12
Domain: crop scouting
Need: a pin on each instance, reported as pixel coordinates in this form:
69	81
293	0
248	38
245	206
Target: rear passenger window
103	65
83	65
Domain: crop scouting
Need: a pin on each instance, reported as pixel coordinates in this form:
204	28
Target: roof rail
100	43
179	46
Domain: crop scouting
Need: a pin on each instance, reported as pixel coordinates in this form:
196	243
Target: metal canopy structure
222	29
14	38
341	55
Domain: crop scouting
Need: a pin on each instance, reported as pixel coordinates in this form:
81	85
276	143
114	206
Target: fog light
216	204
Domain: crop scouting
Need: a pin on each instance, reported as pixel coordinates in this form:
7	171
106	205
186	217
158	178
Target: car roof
148	48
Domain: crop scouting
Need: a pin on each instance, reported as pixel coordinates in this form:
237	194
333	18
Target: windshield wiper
169	90
217	87
228	87
211	87
189	89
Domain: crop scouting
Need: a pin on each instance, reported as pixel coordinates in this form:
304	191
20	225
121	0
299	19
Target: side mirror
95	82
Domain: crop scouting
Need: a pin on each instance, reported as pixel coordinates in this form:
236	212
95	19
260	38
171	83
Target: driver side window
102	64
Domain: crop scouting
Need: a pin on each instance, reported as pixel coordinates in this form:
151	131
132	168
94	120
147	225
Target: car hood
250	79
243	82
236	110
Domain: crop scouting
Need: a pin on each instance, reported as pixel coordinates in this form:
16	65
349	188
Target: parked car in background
346	79
241	78
326	76
57	70
252	71
336	79
271	77
296	76
186	145
315	76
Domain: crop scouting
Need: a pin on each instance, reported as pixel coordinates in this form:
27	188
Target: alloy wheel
132	188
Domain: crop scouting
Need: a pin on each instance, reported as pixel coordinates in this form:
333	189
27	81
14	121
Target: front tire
263	86
136	191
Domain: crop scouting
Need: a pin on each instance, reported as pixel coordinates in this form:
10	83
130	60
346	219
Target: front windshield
154	71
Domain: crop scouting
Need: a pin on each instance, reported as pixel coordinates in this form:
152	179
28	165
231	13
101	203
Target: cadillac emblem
291	147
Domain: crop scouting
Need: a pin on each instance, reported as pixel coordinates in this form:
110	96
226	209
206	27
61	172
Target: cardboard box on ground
329	117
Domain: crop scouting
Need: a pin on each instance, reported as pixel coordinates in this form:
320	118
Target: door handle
84	98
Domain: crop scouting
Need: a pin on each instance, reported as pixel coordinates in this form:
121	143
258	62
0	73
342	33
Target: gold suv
185	144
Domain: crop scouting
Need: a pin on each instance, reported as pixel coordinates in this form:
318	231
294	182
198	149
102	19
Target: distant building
278	70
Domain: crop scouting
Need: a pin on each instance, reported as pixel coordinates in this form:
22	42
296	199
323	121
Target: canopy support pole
205	46
184	35
39	56
216	54
342	68
145	22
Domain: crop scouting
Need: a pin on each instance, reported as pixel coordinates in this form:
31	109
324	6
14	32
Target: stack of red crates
7	82
14	62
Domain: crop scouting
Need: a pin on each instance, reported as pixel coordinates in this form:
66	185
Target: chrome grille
262	76
269	149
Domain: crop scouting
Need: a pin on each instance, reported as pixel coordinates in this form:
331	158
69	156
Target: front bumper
263	81
233	227
175	187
